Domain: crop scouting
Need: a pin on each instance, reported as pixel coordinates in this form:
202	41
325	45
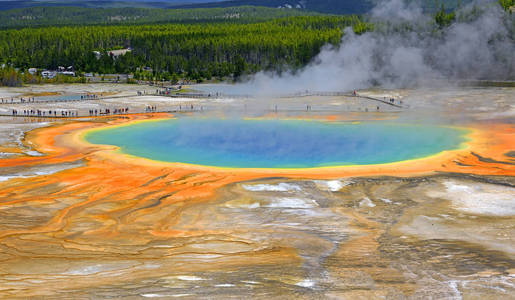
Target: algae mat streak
278	143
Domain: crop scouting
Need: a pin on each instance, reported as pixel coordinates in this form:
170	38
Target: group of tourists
74	113
150	108
392	100
69	113
89	96
108	111
21	100
44	113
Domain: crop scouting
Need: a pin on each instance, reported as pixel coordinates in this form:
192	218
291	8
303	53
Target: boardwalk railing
207	95
33	100
335	94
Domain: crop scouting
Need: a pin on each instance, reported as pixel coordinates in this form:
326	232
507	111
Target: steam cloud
480	45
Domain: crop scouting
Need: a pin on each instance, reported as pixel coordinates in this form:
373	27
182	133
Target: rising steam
406	49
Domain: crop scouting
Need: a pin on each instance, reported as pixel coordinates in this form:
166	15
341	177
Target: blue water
277	143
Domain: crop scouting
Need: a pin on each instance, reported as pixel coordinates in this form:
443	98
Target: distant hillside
12	4
51	16
434	5
325	6
341	7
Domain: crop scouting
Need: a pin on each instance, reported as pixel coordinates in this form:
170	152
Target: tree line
193	51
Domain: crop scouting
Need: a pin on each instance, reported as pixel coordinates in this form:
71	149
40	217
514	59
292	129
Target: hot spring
267	143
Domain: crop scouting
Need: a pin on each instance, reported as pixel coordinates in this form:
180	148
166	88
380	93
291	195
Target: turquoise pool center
265	143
